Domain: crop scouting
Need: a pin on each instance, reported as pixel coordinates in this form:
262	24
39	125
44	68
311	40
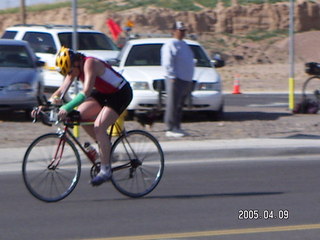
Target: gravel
238	123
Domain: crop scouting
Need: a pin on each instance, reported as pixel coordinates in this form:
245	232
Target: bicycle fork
134	160
58	153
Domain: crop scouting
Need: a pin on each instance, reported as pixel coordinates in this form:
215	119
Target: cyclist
105	95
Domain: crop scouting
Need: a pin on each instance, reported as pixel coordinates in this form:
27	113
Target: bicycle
51	166
310	95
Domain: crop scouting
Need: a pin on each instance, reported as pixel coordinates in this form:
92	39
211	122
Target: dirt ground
262	77
238	123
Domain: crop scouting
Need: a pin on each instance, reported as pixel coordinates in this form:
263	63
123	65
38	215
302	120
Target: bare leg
106	117
89	111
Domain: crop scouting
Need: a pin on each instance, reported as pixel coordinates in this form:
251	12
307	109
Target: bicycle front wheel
137	163
51	167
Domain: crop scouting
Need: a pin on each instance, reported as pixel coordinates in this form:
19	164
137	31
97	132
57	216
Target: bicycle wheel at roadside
51	167
137	163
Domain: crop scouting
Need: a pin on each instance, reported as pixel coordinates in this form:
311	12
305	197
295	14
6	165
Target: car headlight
20	87
140	85
209	87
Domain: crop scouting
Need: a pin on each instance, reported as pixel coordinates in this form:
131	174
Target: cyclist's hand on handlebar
56	101
35	112
62	114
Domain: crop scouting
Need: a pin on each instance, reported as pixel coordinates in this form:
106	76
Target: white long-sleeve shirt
177	60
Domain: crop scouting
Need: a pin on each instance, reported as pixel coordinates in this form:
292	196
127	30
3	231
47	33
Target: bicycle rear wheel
311	91
51	167
137	163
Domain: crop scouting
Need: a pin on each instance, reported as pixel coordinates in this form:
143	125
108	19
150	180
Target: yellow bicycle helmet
63	60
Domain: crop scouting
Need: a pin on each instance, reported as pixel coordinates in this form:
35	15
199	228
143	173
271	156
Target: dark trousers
177	92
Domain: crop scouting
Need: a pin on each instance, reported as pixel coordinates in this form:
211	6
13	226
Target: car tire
216	115
129	115
27	115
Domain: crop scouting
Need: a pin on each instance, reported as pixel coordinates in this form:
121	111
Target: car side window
40	42
9	34
88	41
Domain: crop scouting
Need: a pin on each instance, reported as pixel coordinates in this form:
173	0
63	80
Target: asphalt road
258	100
202	195
207	199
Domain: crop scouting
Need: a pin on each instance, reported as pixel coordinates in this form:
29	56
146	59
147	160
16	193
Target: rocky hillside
234	30
247	35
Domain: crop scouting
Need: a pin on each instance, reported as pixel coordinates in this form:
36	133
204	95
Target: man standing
177	60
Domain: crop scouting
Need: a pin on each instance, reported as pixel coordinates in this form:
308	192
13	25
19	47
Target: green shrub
258	35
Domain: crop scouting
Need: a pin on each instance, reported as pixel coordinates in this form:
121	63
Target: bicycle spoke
145	156
47	177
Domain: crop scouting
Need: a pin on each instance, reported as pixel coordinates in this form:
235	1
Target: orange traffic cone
236	85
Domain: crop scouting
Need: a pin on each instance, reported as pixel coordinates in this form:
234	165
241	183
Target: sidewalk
233	149
238	149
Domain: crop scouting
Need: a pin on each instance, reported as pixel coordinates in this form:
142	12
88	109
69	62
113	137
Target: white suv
140	63
46	40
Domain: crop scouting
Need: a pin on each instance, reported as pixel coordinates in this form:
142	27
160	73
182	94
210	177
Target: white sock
104	169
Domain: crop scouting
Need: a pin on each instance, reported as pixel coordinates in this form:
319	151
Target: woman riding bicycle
105	95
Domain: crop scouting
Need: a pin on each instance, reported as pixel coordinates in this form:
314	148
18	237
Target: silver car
21	80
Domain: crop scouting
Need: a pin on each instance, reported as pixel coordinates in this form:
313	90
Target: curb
245	143
235	149
241	148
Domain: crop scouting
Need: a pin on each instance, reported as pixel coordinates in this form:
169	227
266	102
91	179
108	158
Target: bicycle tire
311	89
137	162
51	184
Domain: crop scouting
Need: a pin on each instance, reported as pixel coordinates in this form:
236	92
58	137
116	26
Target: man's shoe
176	134
100	178
183	132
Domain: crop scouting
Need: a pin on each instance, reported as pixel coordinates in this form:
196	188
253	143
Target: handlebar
49	113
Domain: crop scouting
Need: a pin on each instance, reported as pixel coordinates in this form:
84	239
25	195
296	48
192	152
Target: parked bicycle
51	165
310	95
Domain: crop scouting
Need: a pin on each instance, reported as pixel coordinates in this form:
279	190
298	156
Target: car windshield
202	59
144	55
149	55
14	56
88	41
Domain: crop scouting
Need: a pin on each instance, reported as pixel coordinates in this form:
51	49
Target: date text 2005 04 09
254	214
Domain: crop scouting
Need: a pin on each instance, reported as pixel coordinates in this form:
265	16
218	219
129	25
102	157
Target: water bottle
91	152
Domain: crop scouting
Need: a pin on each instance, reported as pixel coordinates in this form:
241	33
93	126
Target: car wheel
28	114
216	115
130	115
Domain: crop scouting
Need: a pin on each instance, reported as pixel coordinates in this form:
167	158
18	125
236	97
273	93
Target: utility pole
23	11
75	48
75	25
291	56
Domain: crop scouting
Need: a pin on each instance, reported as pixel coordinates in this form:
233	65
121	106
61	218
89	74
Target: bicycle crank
95	169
